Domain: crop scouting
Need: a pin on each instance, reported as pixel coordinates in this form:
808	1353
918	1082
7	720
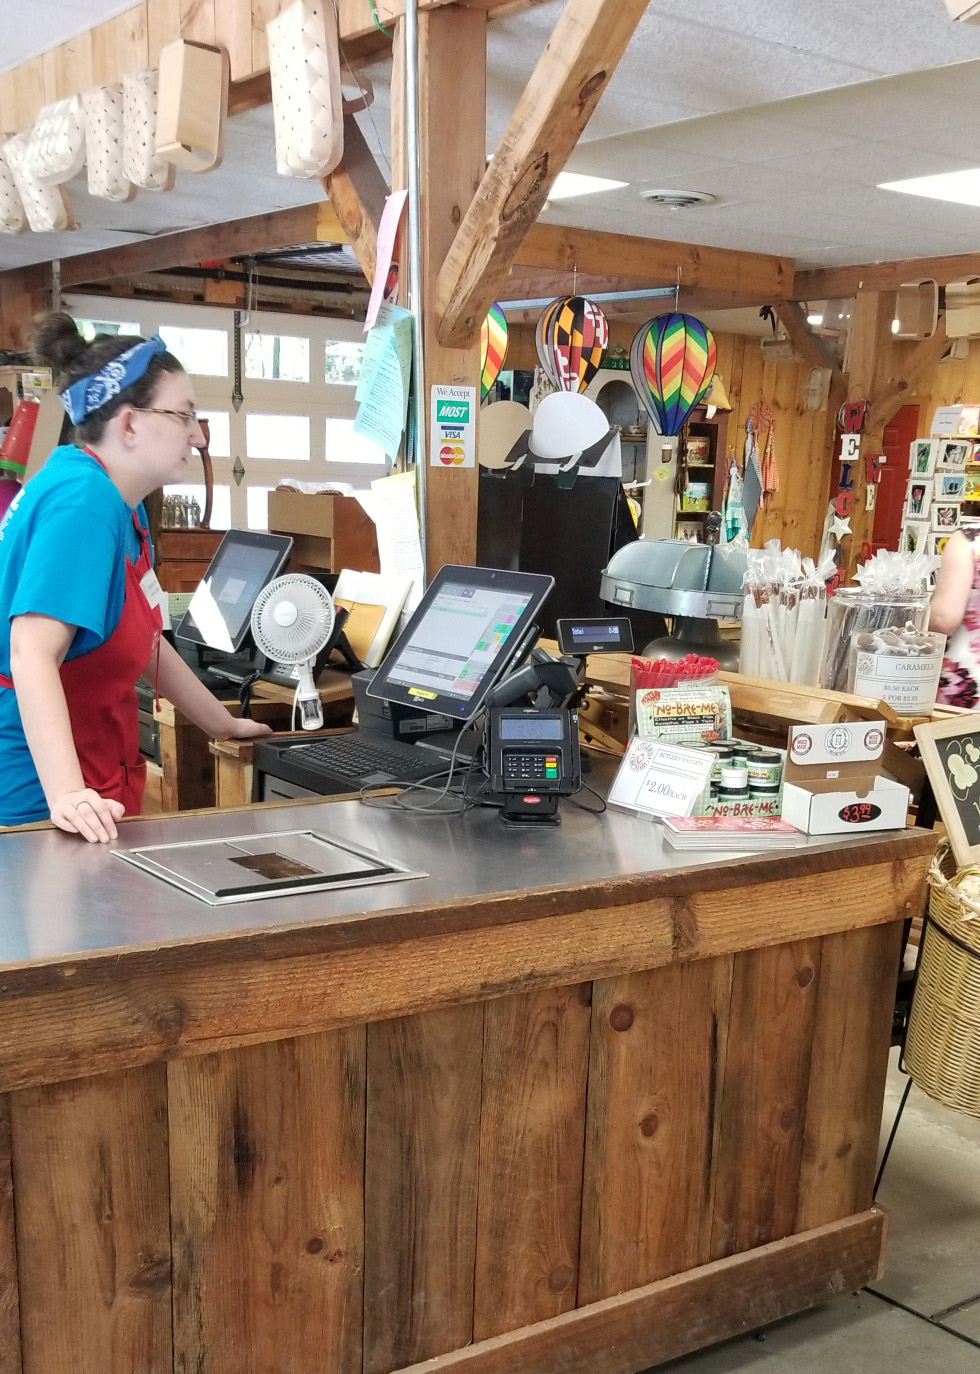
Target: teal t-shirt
63	547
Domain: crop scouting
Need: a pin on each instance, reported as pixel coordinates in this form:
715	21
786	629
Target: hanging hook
677	290
574	278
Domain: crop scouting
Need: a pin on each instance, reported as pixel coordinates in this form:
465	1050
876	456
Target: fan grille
311	628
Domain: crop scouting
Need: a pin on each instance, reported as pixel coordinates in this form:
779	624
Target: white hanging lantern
103	110
12	217
140	164
56	143
48	208
307	102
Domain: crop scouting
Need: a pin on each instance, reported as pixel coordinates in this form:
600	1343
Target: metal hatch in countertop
244	868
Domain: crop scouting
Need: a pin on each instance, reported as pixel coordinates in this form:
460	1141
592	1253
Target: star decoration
839	528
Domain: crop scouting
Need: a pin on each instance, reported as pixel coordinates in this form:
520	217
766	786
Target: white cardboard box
883	807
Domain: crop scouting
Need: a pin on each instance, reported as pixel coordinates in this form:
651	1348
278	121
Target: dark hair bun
57	342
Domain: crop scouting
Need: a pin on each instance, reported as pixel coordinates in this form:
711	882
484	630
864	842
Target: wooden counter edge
700	1307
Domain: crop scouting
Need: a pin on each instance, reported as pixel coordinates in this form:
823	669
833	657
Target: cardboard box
833	783
330	531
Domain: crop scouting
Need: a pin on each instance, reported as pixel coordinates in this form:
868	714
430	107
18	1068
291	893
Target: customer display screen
221	608
461	639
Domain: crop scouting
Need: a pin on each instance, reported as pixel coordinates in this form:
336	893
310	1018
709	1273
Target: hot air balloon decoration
672	362
493	344
572	338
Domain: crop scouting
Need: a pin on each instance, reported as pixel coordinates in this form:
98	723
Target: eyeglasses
188	418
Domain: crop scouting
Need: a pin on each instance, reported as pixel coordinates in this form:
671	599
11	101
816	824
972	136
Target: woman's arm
954	582
38	646
175	681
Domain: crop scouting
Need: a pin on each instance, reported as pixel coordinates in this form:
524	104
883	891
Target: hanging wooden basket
942	1050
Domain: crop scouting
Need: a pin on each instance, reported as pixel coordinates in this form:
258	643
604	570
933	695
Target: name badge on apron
156	596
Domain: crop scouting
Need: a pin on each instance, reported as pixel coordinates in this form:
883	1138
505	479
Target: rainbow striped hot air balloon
493	341
672	362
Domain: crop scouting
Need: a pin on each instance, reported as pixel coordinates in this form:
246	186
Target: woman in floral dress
955	612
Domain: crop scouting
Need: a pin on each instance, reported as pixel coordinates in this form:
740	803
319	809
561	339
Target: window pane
220	515
344	446
203	352
220	431
89	328
257	507
278	436
343	362
277	357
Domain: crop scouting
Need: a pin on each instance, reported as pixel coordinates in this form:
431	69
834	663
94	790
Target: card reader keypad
531	767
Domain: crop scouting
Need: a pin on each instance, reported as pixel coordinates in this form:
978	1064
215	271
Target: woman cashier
79	617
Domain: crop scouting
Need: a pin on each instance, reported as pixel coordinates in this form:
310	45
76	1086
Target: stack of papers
701	832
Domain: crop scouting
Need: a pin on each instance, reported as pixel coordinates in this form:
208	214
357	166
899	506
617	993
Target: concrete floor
923	1317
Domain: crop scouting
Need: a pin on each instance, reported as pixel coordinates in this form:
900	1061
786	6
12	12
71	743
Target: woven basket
942	1048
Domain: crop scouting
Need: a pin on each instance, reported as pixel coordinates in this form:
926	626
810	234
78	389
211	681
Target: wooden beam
814	351
868	351
357	191
574	70
758	278
304	224
453	133
832	283
924	357
700	1307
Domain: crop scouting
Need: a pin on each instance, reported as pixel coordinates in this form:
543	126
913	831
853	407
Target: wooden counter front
578	1125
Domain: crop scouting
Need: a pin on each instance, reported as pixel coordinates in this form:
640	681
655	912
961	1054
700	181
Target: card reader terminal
532	760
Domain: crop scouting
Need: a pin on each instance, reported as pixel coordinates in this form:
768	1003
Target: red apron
100	689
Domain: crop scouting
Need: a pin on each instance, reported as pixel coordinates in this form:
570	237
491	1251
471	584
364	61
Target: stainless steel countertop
61	898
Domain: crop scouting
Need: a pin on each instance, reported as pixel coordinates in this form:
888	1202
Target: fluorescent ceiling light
568	184
962	188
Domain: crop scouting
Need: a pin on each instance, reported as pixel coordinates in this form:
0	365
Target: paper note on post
387	234
386	372
391	505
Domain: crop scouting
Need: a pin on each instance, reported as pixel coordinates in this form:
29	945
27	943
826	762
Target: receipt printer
532	760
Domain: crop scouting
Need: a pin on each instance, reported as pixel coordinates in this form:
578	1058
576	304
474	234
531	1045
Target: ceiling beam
749	278
303	224
814	351
834	283
923	358
357	191
574	70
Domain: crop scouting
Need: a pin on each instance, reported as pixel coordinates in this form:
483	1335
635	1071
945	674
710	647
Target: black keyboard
353	759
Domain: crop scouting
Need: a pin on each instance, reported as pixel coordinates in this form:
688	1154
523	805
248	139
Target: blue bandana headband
91	393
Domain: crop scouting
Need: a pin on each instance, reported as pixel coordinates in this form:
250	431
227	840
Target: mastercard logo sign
452	455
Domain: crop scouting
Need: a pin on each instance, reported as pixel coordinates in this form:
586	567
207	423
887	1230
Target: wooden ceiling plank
357	191
162	26
197	20
834	283
233	31
574	70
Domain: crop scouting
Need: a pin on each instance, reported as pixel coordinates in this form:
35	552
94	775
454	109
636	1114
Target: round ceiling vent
678	200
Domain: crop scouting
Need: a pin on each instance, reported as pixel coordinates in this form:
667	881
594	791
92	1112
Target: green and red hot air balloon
672	362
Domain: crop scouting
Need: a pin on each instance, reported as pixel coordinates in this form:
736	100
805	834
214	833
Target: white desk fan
292	620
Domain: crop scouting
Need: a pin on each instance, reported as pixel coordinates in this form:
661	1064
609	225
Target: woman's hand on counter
237	728
88	814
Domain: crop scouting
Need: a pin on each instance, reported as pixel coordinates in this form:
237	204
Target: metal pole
416	282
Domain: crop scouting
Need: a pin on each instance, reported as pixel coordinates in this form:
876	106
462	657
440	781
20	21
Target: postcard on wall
954	454
918	498
915	534
945	515
922	457
950	486
936	542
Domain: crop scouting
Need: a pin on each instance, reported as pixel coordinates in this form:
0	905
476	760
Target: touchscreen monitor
220	610
463	637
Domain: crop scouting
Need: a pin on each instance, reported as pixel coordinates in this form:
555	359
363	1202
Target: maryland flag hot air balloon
672	362
576	338
493	341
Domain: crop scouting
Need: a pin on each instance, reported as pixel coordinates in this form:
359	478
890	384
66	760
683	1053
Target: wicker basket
942	1048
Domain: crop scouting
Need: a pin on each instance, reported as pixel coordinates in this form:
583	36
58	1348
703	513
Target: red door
889	509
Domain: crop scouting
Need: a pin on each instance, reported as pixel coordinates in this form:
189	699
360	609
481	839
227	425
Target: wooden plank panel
851	1039
59	1022
162	26
421	1179
764	1095
68	68
197	20
25	95
535	1070
93	1224
267	1177
262	12
649	1326
233	31
658	1047
10	1361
